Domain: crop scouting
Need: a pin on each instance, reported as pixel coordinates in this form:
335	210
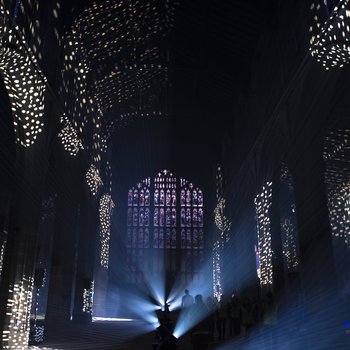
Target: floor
137	335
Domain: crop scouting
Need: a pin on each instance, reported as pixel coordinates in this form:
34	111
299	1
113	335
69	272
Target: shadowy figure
235	316
200	333
269	314
247	316
211	310
222	315
187	301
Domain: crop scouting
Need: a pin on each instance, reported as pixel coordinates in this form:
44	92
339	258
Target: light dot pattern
88	299
106	211
16	332
330	38
93	179
25	85
69	138
263	203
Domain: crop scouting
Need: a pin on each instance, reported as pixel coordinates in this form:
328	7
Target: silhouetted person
235	316
200	334
187	301
222	313
270	309
211	309
247	315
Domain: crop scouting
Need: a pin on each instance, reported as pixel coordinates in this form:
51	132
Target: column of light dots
331	45
263	203
289	245
26	87
224	225
2	253
93	179
109	176
221	221
217	285
339	212
16	332
106	211
88	299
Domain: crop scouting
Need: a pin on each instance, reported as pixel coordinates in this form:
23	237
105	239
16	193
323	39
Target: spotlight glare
111	319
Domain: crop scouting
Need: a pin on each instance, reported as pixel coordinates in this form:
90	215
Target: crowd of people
229	317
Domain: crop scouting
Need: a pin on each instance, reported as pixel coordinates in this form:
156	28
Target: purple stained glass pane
183	239
142	197
140	238
194	198
167	238
146	242
195	239
147	198
173	198
135	217
156	197
155	238
130	198
188	198
201	240
168	198
200	198
141	217
147	217
168	217
182	198
136	197
161	197
173	217
161	217
200	217
188	239
188	217
129	217
183	217
194	217
156	217
161	238
173	238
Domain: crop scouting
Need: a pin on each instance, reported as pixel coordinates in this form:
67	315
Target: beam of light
156	285
174	304
189	319
111	319
143	309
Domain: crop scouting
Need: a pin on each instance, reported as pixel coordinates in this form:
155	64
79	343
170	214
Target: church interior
175	174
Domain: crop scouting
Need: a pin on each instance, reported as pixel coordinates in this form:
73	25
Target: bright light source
111	319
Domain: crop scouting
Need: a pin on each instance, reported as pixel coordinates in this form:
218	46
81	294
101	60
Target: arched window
165	233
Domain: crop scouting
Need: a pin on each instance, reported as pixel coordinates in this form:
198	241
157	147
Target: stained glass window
170	228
